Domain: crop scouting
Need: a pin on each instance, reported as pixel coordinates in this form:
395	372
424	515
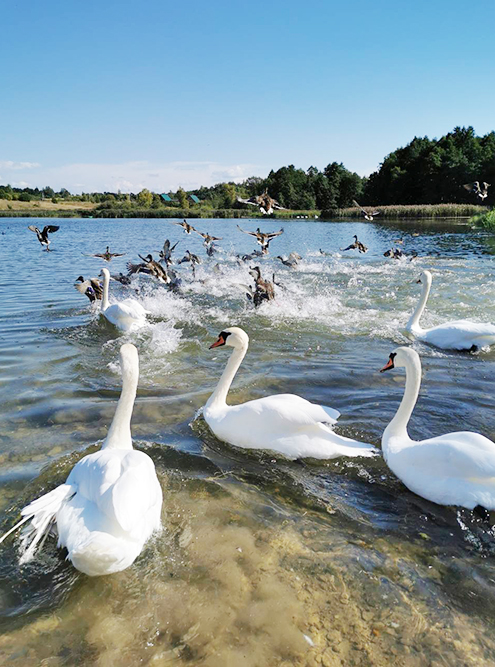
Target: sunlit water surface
261	561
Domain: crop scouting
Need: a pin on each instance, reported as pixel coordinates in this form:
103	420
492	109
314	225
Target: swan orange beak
220	341
389	364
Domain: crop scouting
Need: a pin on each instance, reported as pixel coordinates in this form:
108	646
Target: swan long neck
119	433
219	396
398	425
415	317
104	301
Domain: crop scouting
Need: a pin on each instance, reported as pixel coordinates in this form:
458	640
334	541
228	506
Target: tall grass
486	220
411	211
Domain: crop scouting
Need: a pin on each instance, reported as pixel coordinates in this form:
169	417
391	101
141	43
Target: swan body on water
451	469
111	502
456	335
127	315
283	423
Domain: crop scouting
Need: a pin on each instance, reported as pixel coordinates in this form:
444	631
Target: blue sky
106	95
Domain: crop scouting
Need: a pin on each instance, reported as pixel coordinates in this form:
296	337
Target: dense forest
426	171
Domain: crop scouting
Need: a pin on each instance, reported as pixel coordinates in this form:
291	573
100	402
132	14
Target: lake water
261	561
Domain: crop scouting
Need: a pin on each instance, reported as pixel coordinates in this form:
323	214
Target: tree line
426	171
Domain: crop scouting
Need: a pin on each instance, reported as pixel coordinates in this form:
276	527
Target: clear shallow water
256	551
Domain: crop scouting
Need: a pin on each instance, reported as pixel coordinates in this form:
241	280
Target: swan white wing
459	335
284	423
452	469
126	314
136	492
121	483
288	411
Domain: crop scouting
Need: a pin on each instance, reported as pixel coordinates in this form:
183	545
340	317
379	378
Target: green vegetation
486	219
412	211
422	179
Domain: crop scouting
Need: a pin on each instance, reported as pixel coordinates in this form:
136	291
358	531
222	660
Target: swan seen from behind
111	501
455	335
451	469
283	423
127	315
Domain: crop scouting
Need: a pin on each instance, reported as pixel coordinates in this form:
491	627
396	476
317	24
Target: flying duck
367	214
475	188
155	269
264	202
166	253
357	245
186	226
43	235
91	287
107	255
208	238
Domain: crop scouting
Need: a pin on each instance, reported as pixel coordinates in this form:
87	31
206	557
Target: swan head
234	337
425	278
401	357
105	273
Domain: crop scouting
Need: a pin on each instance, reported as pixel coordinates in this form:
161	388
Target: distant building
167	198
194	199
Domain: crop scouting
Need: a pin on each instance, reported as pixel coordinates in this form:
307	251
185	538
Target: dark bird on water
107	255
185	226
264	202
291	261
480	192
368	215
43	235
357	245
263	289
121	278
91	287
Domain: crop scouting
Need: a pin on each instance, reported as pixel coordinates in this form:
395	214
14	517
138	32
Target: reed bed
409	211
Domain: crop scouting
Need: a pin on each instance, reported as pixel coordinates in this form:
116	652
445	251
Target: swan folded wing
135	493
121	484
461	334
133	308
451	469
284	411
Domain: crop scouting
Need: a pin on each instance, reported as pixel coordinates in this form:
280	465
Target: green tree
182	198
145	198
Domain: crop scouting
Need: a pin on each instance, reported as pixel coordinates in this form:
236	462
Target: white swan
283	423
457	335
111	502
127	315
451	469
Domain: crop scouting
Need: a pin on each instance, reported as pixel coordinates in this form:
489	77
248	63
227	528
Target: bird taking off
368	215
43	235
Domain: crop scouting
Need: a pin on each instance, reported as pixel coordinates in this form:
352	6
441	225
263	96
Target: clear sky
102	95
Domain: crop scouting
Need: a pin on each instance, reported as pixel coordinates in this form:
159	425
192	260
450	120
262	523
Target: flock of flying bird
111	502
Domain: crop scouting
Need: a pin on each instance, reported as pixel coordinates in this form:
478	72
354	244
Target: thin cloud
17	166
134	176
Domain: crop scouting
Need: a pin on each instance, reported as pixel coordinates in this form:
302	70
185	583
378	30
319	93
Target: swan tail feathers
42	514
343	446
102	554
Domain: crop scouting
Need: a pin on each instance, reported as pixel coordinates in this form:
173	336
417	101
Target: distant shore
47	209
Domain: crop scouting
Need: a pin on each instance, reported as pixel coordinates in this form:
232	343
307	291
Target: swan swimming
456	335
111	502
127	315
451	469
283	423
